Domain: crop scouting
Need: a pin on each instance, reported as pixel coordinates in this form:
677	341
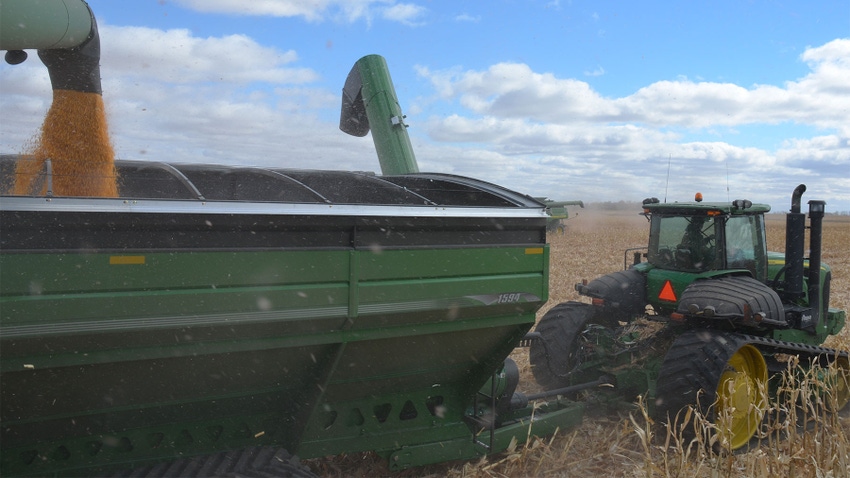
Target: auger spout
73	152
65	34
369	102
43	24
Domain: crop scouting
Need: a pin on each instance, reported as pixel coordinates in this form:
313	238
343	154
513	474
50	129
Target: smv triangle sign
667	292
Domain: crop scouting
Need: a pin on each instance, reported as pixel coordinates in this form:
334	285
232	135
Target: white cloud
513	90
405	13
309	9
177	56
465	17
174	96
568	127
599	71
313	10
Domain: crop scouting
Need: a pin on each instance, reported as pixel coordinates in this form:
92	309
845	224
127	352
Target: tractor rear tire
556	352
720	376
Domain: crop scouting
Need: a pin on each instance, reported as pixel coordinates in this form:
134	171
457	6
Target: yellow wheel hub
741	397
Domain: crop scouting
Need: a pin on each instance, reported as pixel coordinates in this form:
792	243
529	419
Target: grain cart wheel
556	353
721	376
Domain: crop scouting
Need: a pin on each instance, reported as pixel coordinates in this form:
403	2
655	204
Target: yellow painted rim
741	397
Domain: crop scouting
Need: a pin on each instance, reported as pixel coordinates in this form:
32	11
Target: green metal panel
414	264
56	288
45	274
557	415
43	24
832	319
704	208
656	287
253	347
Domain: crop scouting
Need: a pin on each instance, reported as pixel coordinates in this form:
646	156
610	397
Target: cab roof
737	207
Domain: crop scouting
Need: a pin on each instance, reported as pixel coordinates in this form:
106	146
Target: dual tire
558	350
721	377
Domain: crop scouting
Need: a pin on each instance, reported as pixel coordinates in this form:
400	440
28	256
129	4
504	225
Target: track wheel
741	399
721	376
558	351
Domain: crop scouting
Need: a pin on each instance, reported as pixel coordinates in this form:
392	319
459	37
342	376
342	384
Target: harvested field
617	444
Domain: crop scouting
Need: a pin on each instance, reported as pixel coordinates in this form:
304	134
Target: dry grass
624	444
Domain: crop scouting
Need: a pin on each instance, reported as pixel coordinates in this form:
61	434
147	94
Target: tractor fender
622	294
739	298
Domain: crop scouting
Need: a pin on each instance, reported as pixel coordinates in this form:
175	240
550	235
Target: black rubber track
254	462
553	355
691	371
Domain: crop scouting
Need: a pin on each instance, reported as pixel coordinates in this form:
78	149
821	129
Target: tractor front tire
556	353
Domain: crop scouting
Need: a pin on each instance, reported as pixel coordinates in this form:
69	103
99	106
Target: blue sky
565	99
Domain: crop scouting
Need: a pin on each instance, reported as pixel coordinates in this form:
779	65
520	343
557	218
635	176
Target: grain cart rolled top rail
209	313
722	308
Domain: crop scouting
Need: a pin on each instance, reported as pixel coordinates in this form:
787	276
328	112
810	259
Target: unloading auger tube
65	34
369	102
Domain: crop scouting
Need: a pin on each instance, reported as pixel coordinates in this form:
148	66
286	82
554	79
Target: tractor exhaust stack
816	213
795	235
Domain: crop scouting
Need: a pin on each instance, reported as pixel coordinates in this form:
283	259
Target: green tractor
701	317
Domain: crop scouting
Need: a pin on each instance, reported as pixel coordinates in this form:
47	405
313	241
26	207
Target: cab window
683	243
743	244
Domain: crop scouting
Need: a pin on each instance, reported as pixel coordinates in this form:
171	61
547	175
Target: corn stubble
799	438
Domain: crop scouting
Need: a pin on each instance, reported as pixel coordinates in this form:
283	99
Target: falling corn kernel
74	137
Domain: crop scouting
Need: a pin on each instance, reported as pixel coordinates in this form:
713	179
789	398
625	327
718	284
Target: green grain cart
211	320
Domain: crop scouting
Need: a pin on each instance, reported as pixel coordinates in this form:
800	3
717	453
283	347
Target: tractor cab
707	265
700	237
688	241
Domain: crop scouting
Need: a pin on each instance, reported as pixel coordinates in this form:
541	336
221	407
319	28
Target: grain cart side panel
145	352
445	330
138	330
